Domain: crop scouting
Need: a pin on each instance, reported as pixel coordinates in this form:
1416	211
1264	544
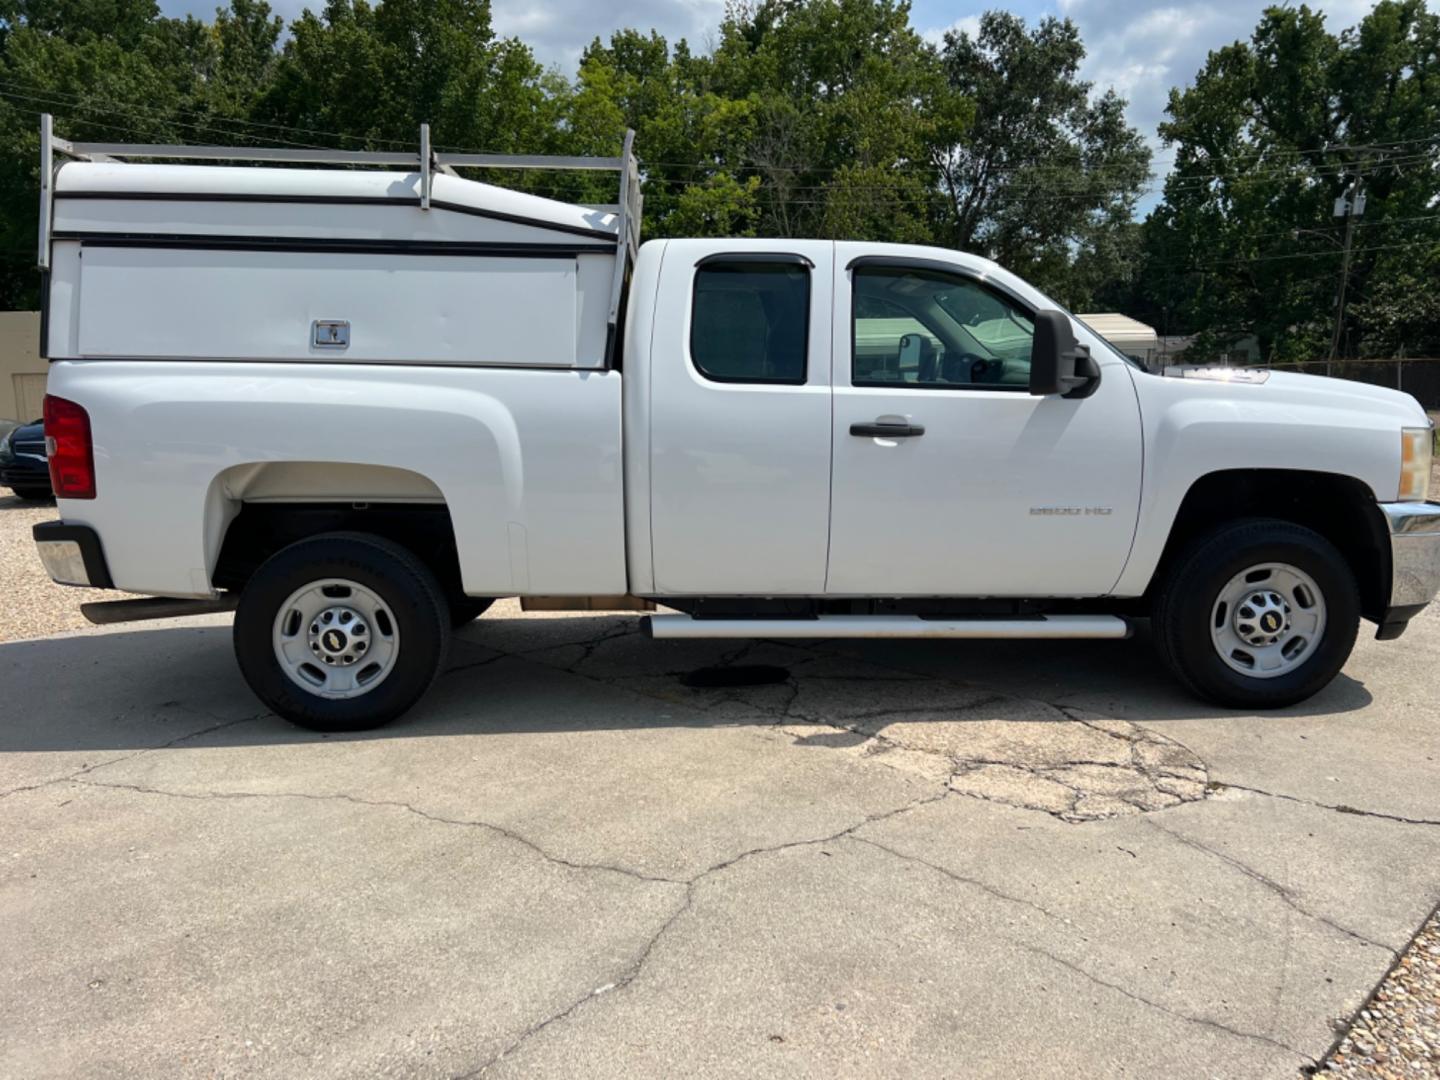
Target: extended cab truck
362	402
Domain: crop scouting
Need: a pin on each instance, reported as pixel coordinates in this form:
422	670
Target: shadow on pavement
138	689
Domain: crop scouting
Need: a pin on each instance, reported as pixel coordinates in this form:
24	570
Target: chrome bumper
1414	552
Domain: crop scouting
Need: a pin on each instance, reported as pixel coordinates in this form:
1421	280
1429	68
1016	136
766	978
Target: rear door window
750	321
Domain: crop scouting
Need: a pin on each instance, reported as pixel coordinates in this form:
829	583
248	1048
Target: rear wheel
341	632
1258	615
35	494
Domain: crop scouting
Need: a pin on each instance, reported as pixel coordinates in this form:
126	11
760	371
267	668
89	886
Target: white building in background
1130	336
22	372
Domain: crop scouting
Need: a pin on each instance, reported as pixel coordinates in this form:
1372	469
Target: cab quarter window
926	329
750	321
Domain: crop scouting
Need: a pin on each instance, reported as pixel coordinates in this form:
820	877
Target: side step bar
889	626
106	612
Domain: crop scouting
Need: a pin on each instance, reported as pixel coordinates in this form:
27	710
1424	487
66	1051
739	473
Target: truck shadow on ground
1072	728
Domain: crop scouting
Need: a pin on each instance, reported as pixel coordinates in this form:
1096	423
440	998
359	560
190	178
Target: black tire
33	494
396	576
466	609
1187	601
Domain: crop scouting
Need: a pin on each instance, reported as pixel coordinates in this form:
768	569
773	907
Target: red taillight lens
67	444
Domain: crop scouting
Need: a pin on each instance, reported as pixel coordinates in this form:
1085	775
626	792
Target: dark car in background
23	466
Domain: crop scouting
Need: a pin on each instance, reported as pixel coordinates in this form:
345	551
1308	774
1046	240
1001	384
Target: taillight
68	446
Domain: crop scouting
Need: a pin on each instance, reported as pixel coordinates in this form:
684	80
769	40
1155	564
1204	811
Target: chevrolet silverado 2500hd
359	403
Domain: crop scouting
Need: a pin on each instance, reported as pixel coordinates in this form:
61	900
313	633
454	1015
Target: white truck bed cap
115	180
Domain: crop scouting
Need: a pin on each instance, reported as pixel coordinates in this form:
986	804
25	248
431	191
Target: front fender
1193	429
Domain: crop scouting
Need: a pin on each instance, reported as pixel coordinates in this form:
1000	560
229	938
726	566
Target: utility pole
1349	206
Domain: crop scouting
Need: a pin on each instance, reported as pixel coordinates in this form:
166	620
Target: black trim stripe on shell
330	245
408	201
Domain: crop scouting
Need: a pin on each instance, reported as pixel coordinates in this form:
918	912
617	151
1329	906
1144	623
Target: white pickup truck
357	404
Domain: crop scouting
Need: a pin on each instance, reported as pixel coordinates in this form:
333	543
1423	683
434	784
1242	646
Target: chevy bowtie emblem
1270	622
334	640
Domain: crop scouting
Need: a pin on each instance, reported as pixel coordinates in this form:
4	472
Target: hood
1279	387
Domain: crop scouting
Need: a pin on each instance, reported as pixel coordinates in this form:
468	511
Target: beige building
22	372
1131	336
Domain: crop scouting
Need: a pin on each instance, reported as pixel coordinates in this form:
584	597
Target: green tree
849	108
1271	134
691	139
1049	173
113	70
372	74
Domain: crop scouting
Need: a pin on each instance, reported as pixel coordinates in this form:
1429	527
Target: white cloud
968	24
1142	51
560	30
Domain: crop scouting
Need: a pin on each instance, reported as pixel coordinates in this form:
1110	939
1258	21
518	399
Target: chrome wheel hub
1268	620
336	638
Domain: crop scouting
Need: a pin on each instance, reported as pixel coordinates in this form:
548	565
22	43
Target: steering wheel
973	365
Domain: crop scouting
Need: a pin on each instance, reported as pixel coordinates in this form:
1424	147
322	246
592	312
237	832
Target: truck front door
950	479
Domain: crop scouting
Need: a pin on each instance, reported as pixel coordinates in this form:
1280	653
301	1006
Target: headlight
4	444
1417	445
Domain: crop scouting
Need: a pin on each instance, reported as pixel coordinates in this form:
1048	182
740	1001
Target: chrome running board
669	627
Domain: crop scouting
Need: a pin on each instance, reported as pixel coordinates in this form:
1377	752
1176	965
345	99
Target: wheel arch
254	510
1340	508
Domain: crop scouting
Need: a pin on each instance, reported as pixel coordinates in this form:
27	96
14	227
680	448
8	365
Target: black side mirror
1058	363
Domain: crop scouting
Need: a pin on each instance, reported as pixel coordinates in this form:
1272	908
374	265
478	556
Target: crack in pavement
1135	738
633	970
1159	776
636	965
396	804
1285	894
623	980
983	886
86	770
1203	1021
1339	808
1154	784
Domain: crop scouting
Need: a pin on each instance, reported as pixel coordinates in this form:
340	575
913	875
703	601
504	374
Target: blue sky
1140	48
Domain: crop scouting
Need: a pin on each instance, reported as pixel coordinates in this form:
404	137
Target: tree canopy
1271	134
830	118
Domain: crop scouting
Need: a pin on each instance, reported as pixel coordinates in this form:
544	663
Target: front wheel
342	631
1258	615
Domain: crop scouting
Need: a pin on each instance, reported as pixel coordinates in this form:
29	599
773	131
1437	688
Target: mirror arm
1086	375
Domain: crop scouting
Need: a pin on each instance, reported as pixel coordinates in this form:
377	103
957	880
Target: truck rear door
740	418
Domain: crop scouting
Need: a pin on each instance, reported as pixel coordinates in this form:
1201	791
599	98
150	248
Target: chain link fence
1419	377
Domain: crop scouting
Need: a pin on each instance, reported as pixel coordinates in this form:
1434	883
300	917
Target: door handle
880	430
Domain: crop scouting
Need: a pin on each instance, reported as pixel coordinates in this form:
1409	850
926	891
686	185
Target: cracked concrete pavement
929	859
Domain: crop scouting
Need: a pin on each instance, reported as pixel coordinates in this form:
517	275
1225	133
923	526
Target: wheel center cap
1262	618
339	636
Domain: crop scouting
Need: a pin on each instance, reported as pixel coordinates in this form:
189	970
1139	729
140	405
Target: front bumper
1414	562
72	554
22	472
